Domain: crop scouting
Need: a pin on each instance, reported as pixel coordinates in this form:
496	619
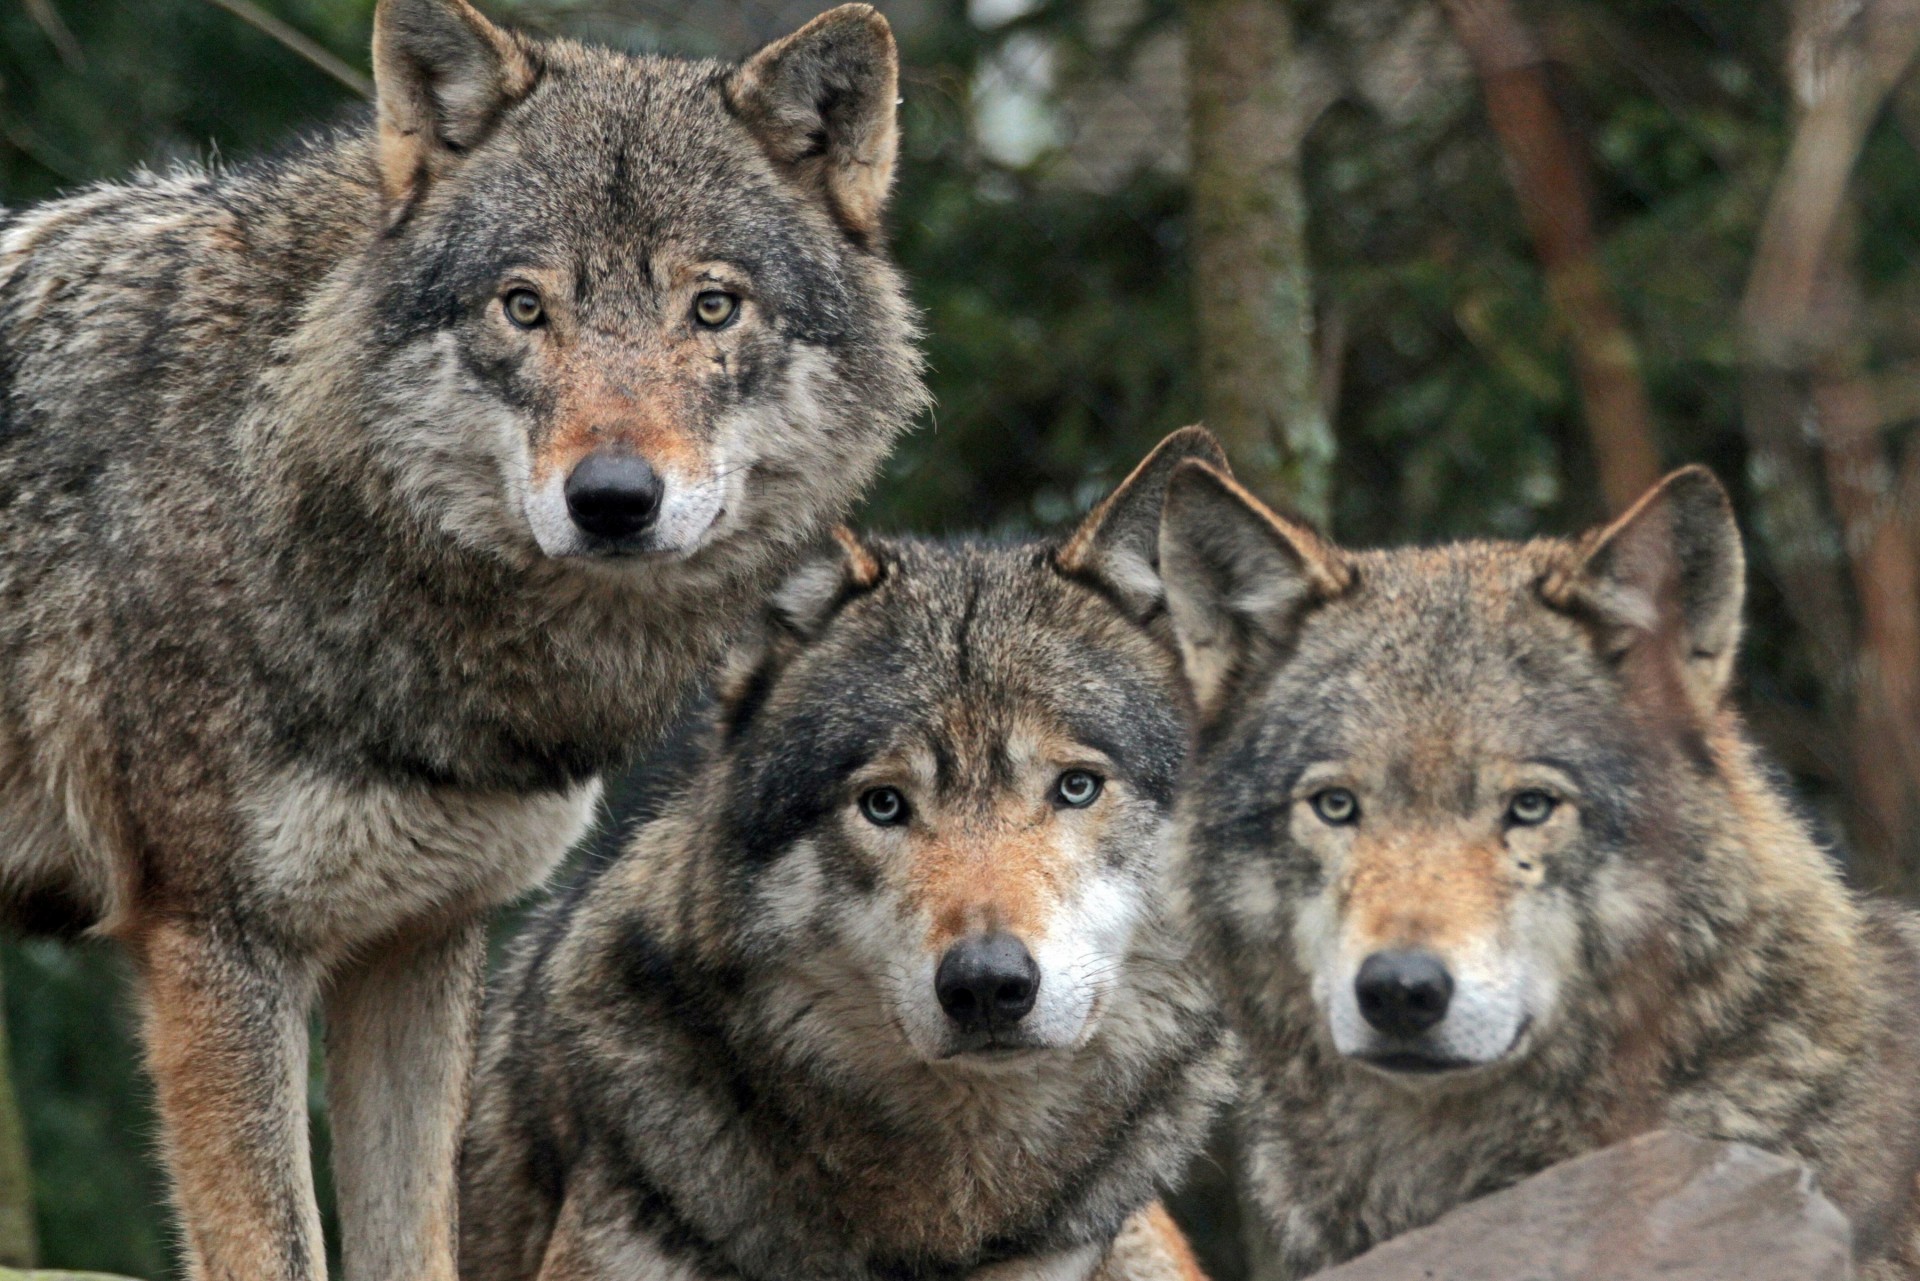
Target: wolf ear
442	75
1672	571
821	102
1238	577
1118	544
840	568
810	595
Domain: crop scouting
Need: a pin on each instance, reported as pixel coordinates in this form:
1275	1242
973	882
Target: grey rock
1660	1206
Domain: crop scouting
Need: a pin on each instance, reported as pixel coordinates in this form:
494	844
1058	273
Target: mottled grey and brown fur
311	649
1490	875
738	1052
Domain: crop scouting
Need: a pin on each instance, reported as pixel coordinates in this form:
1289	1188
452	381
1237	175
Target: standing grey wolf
358	507
885	990
1489	874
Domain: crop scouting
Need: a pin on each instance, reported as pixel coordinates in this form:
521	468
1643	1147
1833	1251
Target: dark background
1501	258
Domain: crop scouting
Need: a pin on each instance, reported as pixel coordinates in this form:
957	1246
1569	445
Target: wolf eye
713	308
883	807
523	308
1336	805
1530	808
1077	788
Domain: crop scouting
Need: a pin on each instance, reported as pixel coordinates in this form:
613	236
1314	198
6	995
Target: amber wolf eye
523	308
713	308
884	807
1336	805
1530	808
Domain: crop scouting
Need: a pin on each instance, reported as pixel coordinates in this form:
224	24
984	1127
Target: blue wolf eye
524	308
713	308
884	807
1530	808
1336	805
1077	788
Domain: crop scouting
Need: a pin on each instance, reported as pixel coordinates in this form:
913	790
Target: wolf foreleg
226	1039
400	1029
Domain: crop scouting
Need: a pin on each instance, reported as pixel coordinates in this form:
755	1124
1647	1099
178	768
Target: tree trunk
1886	685
1551	184
18	1247
1252	101
1250	107
1806	354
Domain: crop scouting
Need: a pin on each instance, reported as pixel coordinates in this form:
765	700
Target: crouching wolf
1489	874
885	990
358	507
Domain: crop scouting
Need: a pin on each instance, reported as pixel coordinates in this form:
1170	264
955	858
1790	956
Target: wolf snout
987	982
614	495
1403	993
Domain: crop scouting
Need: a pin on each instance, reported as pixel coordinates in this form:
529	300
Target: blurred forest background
1433	267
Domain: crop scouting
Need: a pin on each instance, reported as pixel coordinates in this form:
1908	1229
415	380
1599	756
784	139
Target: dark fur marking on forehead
962	633
705	193
974	640
946	763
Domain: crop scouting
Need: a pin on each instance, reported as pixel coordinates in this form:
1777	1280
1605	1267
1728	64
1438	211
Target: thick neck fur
786	1078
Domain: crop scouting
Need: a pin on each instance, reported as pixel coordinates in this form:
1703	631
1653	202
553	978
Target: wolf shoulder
141	311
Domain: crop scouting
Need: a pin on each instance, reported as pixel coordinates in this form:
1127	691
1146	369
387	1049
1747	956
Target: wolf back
1489	874
885	991
360	505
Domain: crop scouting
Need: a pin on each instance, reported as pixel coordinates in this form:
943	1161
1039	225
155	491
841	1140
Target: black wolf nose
613	495
1403	993
988	980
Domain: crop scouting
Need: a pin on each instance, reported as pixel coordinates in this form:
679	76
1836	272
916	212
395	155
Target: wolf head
628	307
1435	784
949	772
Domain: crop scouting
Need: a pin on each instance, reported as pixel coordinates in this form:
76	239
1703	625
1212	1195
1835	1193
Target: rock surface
1660	1206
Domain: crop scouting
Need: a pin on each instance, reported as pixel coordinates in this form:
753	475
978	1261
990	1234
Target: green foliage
157	81
1060	334
89	1123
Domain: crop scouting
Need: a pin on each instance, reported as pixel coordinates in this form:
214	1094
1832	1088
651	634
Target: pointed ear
1671	572
840	568
822	104
442	75
843	567
1238	577
1118	544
